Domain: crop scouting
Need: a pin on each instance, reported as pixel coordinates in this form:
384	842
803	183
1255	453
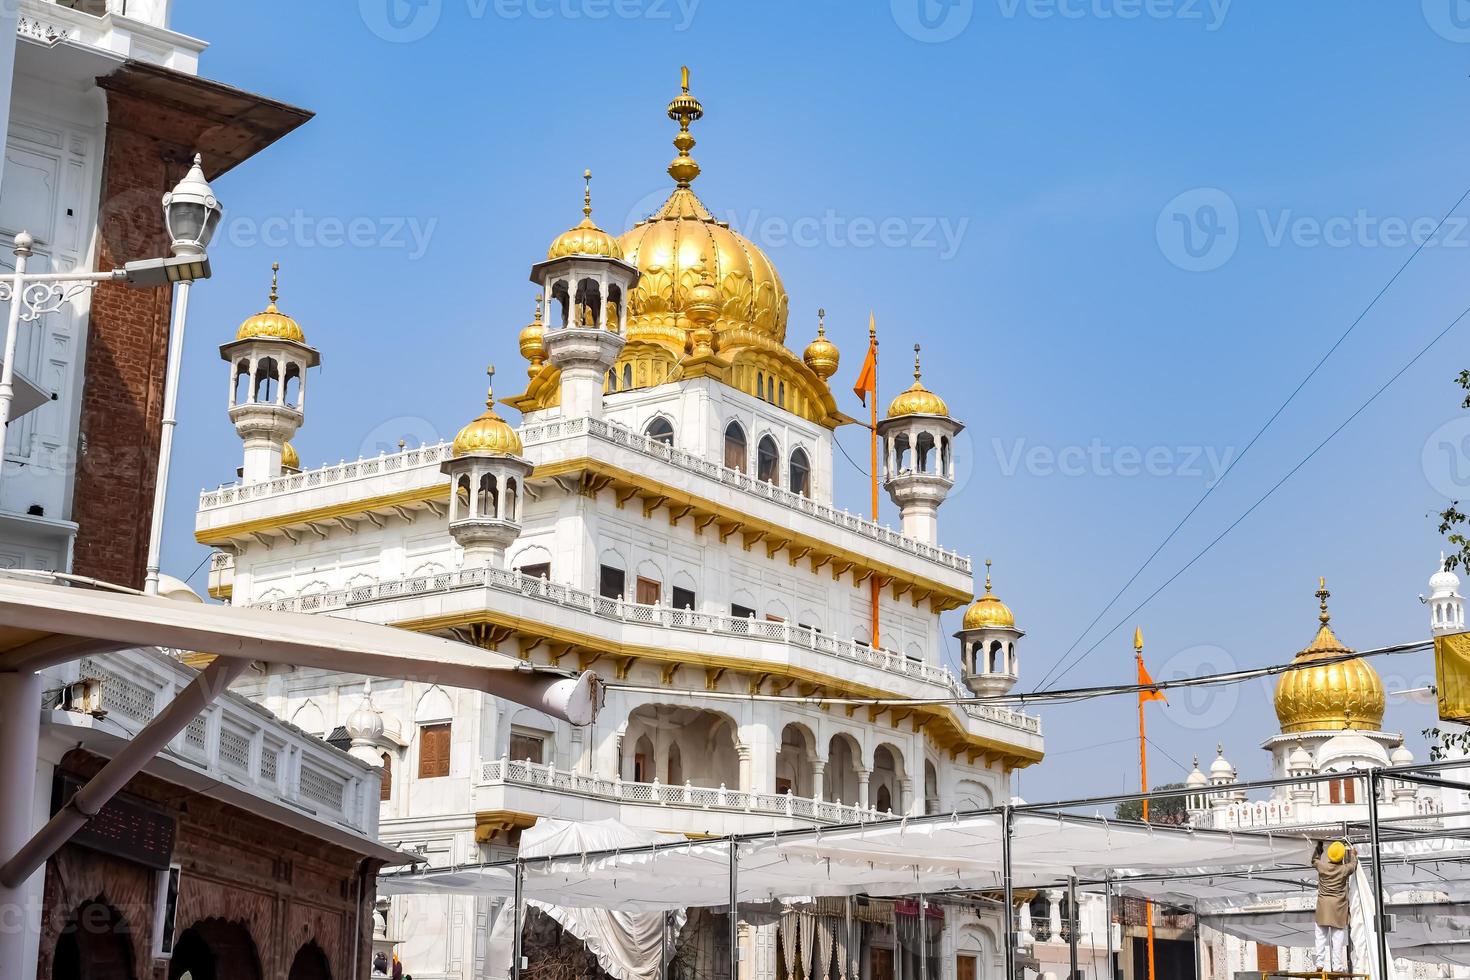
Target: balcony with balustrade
136	29
686	634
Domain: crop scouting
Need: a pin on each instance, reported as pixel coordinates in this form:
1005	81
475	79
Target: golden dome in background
533	341
916	399
821	354
290	460
988	611
586	238
1330	696
489	433
271	323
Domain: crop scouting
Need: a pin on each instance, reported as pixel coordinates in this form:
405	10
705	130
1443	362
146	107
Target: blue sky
1124	231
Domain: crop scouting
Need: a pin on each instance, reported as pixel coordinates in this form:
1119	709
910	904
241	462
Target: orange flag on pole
1144	680
867	382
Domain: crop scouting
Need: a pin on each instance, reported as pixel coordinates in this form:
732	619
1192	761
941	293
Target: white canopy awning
899	857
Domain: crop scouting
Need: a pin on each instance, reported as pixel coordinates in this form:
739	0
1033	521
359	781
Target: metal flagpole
923	941
517	898
873	459
1072	911
734	908
1108	893
1006	817
1380	920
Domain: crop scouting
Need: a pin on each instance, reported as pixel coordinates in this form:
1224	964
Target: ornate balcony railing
665	617
432	456
496	772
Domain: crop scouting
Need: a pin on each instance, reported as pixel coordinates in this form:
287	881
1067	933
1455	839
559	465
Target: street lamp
191	213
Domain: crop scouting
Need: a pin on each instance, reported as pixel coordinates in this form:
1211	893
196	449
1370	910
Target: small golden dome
533	341
1338	695
290	460
489	433
821	354
917	400
586	238
271	323
988	611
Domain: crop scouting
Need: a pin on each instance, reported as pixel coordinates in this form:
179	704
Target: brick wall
127	343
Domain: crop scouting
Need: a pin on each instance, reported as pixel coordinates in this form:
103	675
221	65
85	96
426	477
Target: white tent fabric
888	858
1433	932
628	945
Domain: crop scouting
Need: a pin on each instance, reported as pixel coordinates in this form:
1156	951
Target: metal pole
20	733
923	941
166	435
1199	959
23	243
734	908
129	761
519	899
1076	922
1108	893
1380	920
1009	911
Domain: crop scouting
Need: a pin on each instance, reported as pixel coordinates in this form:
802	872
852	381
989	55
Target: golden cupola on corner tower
586	238
271	323
821	354
488	433
1329	689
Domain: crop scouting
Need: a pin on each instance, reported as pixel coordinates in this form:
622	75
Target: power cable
1267	495
1254	439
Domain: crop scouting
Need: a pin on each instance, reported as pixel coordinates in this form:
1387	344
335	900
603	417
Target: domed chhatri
681	236
489	434
988	611
1339	693
821	354
586	238
916	399
271	322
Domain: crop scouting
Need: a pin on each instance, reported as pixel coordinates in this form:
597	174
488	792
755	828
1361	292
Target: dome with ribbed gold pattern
916	399
821	355
290	459
1329	689
271	323
988	612
489	433
586	238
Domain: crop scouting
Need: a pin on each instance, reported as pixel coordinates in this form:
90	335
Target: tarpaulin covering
889	858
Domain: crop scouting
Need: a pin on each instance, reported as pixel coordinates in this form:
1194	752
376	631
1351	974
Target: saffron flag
1146	681
867	382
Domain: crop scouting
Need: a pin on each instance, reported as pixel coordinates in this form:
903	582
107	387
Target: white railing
504	772
240	743
617	435
665	617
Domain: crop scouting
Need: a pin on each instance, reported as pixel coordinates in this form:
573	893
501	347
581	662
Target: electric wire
1267	495
1254	439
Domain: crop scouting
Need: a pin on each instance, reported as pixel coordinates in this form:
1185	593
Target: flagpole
873	458
1148	907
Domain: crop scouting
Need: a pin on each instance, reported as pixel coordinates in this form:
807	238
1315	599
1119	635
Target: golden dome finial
1322	596
821	355
684	110
987	576
490	391
918	374
275	282
587	194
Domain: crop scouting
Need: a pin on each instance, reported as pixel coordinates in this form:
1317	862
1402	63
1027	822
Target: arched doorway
214	949
310	964
95	944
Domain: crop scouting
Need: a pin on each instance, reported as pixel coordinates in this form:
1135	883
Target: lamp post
192	213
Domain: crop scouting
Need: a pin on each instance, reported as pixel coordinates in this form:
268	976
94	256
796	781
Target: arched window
386	791
510	501
768	461
242	383
660	430
292	391
735	447
800	476
627	376
760	386
489	498
781	395
612	380
267	378
462	497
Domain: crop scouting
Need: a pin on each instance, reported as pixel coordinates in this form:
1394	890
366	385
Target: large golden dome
271	323
489	433
1334	695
